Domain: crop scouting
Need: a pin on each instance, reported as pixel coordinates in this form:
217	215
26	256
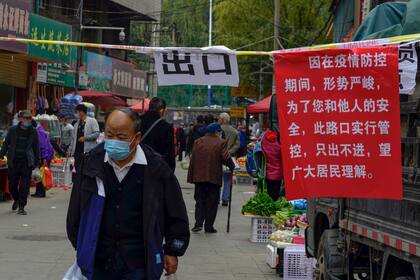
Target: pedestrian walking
86	131
195	133
46	154
158	133
233	144
181	141
125	204
274	166
205	171
67	131
22	149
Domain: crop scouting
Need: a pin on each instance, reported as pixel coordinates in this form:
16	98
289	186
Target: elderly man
205	171
233	145
125	203
22	148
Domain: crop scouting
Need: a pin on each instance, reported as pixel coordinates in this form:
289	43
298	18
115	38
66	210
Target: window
43	4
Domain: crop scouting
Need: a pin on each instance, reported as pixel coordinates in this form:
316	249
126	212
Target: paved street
35	247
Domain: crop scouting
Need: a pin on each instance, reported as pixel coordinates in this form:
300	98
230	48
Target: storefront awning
262	106
139	106
102	98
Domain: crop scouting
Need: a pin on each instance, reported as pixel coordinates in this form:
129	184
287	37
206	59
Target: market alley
35	247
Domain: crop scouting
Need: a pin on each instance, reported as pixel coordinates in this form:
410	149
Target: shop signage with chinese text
127	81
99	71
42	28
54	74
237	112
244	91
15	22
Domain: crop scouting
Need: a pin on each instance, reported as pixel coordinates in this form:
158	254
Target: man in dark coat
125	203
195	133
158	133
206	172
22	148
181	141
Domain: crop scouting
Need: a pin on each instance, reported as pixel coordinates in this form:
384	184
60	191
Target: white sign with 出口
207	66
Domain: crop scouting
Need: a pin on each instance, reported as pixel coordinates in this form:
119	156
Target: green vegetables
262	205
283	215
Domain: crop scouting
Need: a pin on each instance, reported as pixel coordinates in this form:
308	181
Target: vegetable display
283	215
262	205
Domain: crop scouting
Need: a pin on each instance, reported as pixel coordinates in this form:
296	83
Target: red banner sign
339	116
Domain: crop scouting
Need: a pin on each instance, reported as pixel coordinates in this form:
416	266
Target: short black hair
157	104
81	108
200	119
209	119
133	115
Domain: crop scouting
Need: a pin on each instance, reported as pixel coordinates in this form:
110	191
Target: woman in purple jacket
46	155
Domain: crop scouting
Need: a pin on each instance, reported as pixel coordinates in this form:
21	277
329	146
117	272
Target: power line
254	43
205	3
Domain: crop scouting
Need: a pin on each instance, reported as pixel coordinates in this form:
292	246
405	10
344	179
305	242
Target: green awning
390	19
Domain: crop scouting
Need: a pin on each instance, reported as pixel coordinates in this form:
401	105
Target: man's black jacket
160	138
164	212
32	147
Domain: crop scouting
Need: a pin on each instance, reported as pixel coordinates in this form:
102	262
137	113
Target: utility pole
276	23
209	91
173	27
276	44
79	49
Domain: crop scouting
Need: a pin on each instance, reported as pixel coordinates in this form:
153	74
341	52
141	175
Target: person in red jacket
274	169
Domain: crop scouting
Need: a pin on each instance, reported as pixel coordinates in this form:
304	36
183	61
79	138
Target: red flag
339	116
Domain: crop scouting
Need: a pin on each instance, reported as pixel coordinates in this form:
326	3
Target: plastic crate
261	228
296	264
271	256
62	174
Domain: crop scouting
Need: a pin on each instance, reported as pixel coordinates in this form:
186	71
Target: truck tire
329	261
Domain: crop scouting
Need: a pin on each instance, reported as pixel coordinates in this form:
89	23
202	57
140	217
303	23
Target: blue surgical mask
27	124
117	149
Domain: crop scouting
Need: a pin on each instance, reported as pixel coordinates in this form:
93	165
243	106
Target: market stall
282	225
4	191
262	106
142	106
102	98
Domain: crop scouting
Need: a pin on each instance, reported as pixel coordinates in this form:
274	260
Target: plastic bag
171	277
74	273
46	176
299	204
36	175
185	163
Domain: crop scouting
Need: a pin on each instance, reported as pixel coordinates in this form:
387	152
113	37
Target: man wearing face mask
22	149
86	131
127	198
